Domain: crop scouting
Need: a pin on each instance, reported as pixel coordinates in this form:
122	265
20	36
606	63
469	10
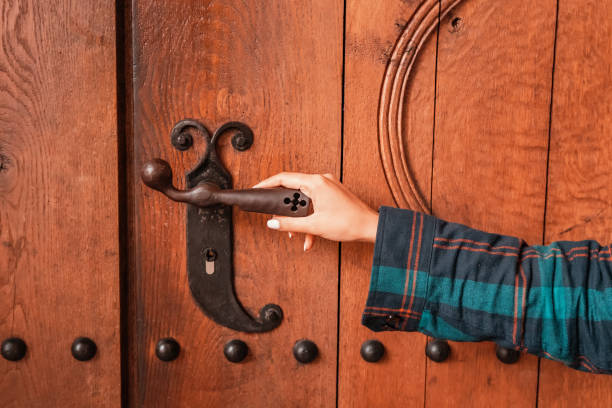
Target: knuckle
320	179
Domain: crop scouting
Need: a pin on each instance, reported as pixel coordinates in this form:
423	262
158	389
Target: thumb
293	224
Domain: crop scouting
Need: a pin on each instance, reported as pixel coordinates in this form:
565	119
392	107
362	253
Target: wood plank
372	29
278	69
59	254
492	114
579	193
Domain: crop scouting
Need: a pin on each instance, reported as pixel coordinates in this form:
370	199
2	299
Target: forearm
454	282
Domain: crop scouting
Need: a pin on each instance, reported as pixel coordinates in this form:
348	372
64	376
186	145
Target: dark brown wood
278	69
372	28
492	114
59	248
579	193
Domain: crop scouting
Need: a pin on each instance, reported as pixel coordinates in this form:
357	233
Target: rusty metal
83	349
438	350
182	141
507	355
167	349
209	223
305	351
13	349
372	351
157	174
235	351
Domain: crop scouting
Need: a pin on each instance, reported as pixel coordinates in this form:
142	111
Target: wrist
370	226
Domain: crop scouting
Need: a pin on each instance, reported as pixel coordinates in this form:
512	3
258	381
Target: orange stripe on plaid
590	362
399	310
570	258
416	265
402	314
514	324
557	249
475	250
591	367
409	261
523	305
469	241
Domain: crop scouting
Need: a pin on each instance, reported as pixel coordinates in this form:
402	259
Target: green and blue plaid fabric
453	282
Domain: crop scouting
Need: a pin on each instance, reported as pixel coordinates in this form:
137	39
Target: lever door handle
157	174
210	200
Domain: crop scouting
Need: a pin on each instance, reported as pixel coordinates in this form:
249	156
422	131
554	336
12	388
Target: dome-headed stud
235	351
13	349
437	350
167	349
305	351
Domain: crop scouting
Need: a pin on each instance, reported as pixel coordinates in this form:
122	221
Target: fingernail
290	235
305	249
273	224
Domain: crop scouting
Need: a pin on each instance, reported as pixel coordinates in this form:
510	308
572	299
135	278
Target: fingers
308	242
298	181
291	224
288	180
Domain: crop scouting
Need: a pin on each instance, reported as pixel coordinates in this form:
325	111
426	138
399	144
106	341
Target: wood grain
492	114
278	69
59	251
372	28
579	202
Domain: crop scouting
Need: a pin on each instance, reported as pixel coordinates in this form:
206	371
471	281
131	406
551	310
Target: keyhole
210	255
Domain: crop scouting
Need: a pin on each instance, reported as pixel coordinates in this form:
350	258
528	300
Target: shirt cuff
400	270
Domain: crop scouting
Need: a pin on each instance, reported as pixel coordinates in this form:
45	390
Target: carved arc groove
400	179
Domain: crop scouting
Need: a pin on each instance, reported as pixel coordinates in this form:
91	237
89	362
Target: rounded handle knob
507	355
235	351
13	349
305	351
437	350
372	350
167	349
83	348
157	174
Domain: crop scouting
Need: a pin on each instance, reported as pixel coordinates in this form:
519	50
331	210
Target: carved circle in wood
390	107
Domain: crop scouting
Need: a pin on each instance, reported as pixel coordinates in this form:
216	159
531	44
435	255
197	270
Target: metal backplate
210	239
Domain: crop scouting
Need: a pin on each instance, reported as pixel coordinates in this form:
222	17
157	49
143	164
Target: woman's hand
338	214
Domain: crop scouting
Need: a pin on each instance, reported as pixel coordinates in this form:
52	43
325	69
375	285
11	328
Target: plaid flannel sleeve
453	282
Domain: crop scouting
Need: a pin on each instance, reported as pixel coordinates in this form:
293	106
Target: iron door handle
210	199
157	175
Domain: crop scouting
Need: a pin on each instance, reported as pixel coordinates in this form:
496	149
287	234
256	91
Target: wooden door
492	114
59	202
277	69
503	123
